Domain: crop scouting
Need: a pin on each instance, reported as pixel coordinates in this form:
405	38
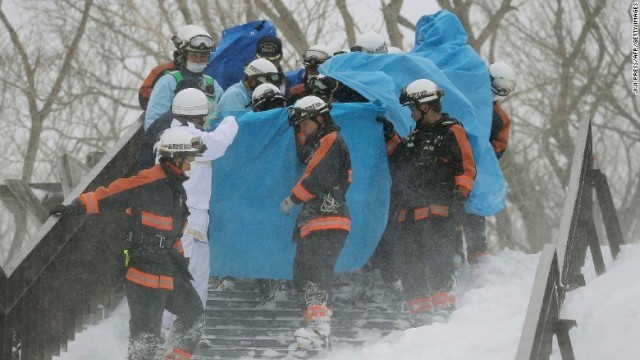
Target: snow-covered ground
492	300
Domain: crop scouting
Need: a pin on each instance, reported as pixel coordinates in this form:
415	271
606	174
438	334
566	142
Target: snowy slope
492	300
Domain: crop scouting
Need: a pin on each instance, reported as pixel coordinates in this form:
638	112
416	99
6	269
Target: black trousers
387	256
313	267
474	232
146	306
428	248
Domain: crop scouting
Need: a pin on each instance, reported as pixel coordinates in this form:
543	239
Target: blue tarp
237	47
249	236
453	65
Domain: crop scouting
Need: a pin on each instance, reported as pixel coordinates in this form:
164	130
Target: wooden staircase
240	323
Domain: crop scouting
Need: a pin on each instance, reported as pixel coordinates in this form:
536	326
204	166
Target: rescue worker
370	43
190	109
324	222
157	277
503	82
238	96
154	75
195	45
311	59
270	48
434	172
266	97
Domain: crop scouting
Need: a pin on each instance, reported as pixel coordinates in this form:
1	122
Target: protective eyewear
201	42
314	57
272	101
273	78
297	115
196	143
404	97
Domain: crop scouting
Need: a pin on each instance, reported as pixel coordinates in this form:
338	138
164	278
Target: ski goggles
298	115
272	78
314	57
200	43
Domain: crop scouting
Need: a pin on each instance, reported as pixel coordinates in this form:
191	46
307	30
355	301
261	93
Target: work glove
59	210
456	209
458	197
286	205
387	127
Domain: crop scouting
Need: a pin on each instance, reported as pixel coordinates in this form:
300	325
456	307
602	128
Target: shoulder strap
176	75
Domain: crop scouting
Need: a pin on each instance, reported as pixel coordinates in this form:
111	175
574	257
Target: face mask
188	173
196	67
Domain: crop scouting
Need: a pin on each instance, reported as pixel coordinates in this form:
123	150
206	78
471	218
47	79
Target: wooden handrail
62	278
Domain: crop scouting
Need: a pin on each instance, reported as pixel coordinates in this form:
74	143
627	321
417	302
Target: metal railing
64	278
559	269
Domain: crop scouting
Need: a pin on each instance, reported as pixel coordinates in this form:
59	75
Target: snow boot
444	303
318	331
474	257
317	335
227	284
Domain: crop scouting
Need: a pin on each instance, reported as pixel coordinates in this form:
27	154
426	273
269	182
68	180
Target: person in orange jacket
324	222
502	84
157	276
433	174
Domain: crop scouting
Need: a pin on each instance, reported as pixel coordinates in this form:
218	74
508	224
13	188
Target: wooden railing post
560	264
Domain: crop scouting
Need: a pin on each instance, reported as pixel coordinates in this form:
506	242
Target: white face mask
188	173
195	67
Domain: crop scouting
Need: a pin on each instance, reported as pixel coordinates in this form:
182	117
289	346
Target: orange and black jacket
155	203
147	86
324	184
296	93
429	164
500	128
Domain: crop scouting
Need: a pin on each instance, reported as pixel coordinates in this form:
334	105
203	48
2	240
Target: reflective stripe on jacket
154	201
324	184
500	128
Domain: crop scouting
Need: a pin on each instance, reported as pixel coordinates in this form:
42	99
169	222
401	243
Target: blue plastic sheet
237	47
249	236
446	59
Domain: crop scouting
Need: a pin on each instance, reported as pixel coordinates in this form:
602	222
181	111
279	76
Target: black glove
458	197
59	210
456	209
387	127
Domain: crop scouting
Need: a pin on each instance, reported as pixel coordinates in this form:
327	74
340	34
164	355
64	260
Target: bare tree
71	79
39	113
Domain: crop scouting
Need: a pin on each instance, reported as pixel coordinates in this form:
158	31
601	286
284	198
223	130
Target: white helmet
394	50
263	71
193	38
306	108
316	55
266	97
503	79
175	142
420	91
370	42
190	102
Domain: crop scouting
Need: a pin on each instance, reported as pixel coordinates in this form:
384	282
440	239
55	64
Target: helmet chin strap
423	114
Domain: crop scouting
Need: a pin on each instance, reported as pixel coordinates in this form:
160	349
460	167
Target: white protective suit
198	187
